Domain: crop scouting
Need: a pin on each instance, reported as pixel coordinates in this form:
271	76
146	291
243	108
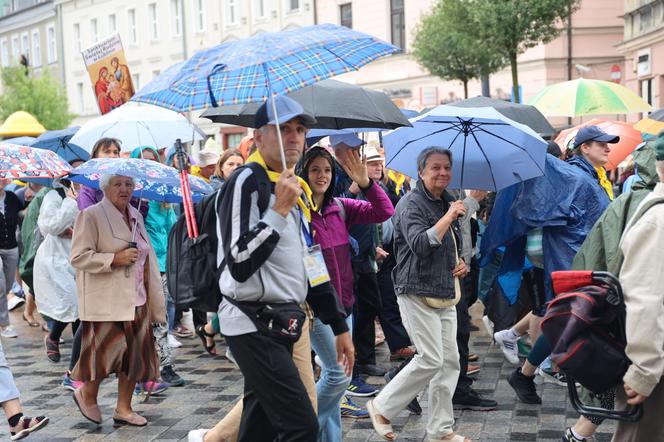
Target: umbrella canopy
580	97
18	162
335	105
521	113
19	124
489	151
629	139
137	125
154	181
653	124
21	141
252	69
58	142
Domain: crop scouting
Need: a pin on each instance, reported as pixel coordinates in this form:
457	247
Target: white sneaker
14	302
197	435
172	342
488	325
508	344
9	332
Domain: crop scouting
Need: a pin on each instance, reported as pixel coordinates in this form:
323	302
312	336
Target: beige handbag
443	303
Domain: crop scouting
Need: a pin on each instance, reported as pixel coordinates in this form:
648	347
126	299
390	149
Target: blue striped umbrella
253	69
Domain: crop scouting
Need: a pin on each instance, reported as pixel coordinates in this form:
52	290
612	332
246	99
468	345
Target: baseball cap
287	109
593	133
350	140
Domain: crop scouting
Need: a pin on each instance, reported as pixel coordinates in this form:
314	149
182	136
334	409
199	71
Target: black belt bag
280	321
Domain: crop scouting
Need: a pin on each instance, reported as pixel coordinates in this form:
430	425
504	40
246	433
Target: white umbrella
138	125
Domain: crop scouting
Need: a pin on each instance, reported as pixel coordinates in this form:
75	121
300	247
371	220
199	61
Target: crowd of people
322	254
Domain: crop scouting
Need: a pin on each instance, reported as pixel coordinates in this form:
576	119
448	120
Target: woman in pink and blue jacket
330	225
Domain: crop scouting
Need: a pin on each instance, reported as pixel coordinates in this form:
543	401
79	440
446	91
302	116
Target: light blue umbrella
252	69
58	142
489	151
20	141
154	181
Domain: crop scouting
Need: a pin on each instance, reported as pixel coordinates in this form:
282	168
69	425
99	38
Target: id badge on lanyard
314	263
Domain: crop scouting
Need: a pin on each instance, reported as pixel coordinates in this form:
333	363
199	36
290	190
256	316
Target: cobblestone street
214	384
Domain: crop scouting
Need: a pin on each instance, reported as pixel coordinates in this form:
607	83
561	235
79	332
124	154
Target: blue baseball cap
287	109
350	140
594	133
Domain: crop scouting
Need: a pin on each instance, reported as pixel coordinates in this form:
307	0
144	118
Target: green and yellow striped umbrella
580	97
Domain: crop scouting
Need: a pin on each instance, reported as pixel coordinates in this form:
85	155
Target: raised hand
355	167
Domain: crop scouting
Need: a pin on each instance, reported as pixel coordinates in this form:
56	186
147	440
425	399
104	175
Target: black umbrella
521	113
336	105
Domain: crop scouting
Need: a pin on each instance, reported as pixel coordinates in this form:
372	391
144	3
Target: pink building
596	30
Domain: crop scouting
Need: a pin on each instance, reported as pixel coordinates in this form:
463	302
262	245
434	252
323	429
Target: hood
136	153
644	161
583	164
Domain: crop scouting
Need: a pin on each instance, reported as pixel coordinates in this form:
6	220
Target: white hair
105	181
659	166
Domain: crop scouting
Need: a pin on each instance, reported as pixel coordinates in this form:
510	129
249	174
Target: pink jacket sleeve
376	209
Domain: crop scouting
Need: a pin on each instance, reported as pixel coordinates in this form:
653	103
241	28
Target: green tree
446	44
41	95
516	25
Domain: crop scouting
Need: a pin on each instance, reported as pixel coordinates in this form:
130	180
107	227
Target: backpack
585	324
192	274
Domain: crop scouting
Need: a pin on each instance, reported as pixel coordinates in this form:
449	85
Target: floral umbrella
18	162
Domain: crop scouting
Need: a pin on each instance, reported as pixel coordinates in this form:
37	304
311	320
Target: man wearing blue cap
591	148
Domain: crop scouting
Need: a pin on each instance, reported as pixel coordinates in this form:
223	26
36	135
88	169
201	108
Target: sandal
200	331
52	349
383	430
452	437
31	323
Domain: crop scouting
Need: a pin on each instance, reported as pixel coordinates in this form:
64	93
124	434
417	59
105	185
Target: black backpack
192	274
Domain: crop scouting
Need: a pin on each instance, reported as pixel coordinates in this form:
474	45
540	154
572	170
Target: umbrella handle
276	117
190	217
216	68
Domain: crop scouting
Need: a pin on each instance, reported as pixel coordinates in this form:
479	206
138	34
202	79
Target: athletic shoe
360	388
27	425
155	387
14	302
52	349
488	325
524	387
352	410
524	349
71	384
182	332
569	436
413	406
8	332
197	435
370	369
471	400
507	343
552	377
172	342
472	369
169	376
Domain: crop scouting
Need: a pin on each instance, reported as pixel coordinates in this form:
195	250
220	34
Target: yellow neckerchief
306	203
398	178
604	181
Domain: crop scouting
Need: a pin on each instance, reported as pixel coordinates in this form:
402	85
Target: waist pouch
280	321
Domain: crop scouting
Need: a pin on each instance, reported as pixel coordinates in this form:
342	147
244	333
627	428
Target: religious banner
109	74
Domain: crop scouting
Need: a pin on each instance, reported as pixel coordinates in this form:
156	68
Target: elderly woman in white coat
54	276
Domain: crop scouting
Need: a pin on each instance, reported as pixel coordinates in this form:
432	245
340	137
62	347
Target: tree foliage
516	25
446	44
41	95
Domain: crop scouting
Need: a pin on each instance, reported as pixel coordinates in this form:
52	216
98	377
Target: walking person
10	206
119	297
427	242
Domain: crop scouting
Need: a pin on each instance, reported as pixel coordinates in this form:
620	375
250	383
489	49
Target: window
135	79
232	13
200	15
152	21
4	53
293	5
81	102
645	21
112	24
16	49
77	37
397	22
52	52
646	90
346	15
176	18
36	49
259	8
131	18
25	44
94	37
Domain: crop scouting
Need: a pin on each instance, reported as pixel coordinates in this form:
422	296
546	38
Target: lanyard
305	230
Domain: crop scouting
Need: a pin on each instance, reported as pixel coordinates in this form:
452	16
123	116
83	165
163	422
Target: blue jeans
332	384
170	306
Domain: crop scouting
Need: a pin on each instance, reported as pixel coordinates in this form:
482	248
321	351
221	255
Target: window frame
131	24
200	15
94	30
51	42
398	12
176	18
5	53
348	5
153	21
36	48
112	23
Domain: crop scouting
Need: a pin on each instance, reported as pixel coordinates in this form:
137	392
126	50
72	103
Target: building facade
596	30
643	49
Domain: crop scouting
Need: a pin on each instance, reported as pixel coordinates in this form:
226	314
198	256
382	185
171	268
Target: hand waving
355	167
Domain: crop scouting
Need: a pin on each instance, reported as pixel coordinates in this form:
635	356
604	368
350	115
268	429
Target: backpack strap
639	213
342	208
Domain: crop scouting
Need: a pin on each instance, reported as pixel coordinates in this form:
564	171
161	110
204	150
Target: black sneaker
169	376
471	400
524	387
569	436
413	406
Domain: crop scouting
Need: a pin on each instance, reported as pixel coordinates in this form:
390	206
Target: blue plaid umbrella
58	142
154	181
253	69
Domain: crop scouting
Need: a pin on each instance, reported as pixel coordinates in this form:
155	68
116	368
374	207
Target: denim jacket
424	263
